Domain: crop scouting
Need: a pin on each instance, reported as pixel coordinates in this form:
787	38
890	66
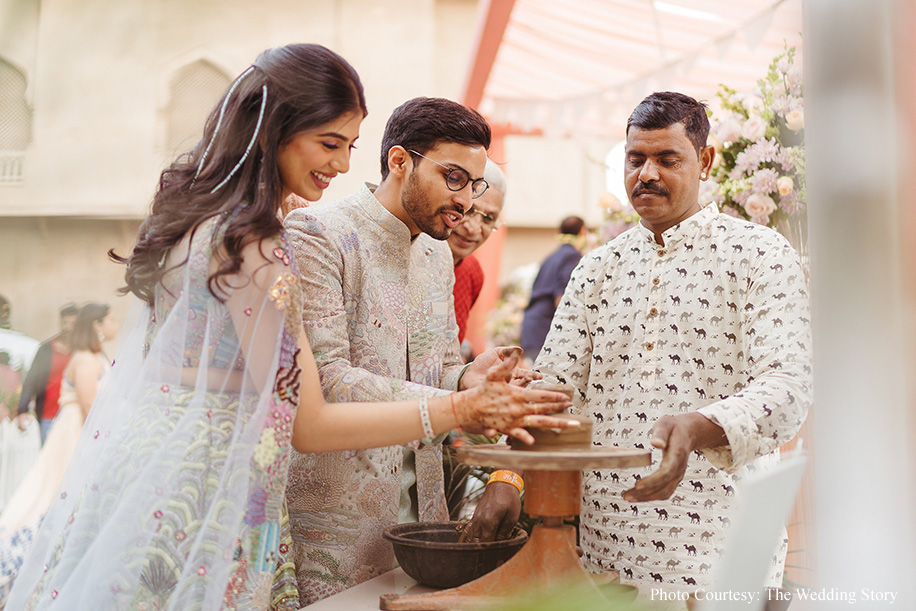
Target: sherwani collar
683	231
375	211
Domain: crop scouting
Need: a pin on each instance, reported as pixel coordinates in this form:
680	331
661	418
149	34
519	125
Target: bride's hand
499	406
477	371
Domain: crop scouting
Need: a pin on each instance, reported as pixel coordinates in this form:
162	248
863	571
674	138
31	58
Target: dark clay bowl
430	553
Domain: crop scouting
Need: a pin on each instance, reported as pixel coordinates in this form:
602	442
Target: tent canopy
580	66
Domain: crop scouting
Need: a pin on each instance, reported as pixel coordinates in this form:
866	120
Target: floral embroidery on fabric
267	449
280	253
287	387
281	293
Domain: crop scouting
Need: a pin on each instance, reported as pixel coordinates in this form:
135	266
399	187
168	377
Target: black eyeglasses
457	179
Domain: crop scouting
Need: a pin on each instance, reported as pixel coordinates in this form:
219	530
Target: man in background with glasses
468	236
378	311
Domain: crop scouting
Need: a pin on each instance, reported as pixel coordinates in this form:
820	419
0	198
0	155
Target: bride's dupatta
174	496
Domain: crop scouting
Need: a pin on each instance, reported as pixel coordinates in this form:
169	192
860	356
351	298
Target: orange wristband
510	477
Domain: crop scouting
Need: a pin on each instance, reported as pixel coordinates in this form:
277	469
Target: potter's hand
677	436
496	514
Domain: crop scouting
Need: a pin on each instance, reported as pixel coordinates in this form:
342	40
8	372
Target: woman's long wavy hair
307	86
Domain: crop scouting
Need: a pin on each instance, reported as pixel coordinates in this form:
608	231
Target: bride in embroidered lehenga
174	498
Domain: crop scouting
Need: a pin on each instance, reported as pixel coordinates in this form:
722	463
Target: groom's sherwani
379	316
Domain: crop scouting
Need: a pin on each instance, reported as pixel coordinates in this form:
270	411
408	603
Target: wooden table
365	596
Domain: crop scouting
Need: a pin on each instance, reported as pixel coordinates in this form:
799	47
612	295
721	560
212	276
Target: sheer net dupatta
174	496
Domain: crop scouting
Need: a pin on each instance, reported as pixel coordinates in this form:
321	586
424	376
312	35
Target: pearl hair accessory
254	137
219	122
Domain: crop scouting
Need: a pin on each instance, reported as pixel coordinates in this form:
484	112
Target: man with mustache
689	335
379	315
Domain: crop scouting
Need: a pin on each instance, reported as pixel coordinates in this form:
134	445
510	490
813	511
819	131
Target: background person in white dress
22	515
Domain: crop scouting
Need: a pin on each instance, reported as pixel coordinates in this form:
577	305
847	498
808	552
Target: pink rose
795	120
729	131
754	129
758	205
785	185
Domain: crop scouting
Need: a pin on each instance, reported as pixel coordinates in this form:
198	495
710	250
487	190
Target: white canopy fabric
580	66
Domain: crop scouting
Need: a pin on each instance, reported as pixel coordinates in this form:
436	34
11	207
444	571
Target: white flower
785	185
729	131
754	129
752	103
795	120
795	78
758	205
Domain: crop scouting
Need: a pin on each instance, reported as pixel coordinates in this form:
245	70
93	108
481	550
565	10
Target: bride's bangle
428	431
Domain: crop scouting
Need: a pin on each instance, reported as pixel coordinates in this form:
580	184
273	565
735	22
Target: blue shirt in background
550	283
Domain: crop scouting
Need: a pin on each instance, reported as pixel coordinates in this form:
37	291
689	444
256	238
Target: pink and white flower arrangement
759	172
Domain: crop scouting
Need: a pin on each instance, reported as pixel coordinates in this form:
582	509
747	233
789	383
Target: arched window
193	92
15	122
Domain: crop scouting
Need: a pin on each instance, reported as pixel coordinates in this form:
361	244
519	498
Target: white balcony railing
11	167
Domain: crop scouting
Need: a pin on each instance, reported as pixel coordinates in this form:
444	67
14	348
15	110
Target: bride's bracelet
428	431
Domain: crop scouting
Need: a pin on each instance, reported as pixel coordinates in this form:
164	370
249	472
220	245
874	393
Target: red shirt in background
468	282
59	362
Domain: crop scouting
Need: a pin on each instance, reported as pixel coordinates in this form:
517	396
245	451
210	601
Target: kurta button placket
656	298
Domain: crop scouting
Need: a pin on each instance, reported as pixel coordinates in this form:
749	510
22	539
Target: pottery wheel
554	460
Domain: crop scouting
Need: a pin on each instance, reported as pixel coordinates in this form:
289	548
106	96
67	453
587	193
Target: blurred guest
21	348
550	283
468	236
9	386
43	380
22	515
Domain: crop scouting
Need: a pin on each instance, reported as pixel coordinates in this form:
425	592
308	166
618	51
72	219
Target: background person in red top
473	230
43	380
